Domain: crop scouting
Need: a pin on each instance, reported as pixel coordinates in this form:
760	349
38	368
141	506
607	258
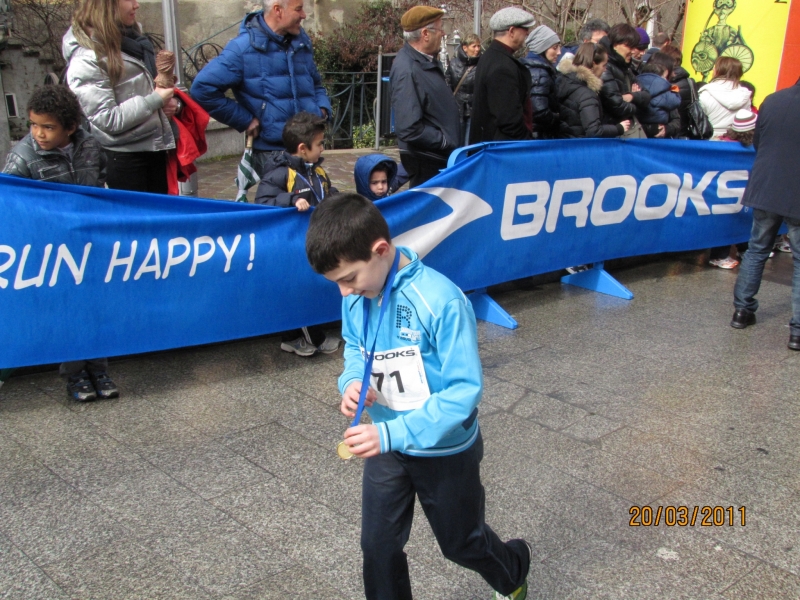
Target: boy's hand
350	399
302	204
363	440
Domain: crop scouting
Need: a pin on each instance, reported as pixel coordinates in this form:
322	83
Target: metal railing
352	97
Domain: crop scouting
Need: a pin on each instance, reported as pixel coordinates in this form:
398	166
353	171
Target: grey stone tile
21	579
297	580
151	503
325	539
138	423
547	412
315	470
224	557
500	394
764	581
208	469
126	570
56	522
591	427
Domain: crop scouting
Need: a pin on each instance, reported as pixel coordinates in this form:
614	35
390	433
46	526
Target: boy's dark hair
58	101
748	85
344	227
658	63
381	167
301	129
624	34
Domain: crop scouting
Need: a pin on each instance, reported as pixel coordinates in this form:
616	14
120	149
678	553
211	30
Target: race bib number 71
398	376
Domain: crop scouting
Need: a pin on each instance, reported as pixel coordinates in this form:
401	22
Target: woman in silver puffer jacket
111	68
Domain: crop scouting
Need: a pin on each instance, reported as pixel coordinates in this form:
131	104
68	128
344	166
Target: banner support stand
490	311
597	279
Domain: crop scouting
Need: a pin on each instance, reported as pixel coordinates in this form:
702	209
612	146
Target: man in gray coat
426	116
772	194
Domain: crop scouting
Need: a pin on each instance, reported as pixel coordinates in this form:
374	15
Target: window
11	105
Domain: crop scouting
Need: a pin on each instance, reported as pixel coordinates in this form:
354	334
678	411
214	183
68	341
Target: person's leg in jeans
387	509
451	494
762	238
794	241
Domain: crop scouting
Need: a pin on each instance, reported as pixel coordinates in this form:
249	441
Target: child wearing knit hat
743	129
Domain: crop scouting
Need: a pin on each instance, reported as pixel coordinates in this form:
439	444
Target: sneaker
80	388
783	246
518	594
522	591
104	386
300	346
724	263
330	345
577	269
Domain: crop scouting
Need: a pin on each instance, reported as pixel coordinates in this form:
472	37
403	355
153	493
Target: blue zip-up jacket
662	99
273	78
363	169
426	311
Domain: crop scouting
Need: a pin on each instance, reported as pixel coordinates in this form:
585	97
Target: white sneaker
300	346
577	269
724	263
329	345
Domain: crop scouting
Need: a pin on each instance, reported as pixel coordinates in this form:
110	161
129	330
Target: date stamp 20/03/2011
683	516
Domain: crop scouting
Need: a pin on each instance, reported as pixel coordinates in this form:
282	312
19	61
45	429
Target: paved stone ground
215	476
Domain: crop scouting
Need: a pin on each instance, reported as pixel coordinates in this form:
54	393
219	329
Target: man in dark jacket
270	68
772	194
621	95
501	107
426	117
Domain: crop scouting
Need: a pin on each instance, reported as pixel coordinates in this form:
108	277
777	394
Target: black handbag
699	126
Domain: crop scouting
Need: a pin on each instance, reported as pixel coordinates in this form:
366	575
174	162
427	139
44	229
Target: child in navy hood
664	96
366	166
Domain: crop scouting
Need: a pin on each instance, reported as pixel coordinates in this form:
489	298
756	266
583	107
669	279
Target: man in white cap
426	117
502	104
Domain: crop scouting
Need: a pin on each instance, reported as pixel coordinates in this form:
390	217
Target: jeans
260	158
762	239
453	499
73	367
137	171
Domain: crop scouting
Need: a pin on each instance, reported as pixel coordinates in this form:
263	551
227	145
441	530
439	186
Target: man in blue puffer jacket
270	68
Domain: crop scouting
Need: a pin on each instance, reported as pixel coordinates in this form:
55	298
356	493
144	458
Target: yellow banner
752	31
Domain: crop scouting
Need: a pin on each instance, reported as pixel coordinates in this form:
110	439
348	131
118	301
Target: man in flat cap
501	107
425	112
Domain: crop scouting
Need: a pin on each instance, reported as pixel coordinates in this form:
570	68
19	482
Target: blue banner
88	272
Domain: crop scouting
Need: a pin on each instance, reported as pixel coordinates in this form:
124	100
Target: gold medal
343	450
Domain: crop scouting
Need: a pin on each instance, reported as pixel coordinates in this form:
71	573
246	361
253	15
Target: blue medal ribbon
387	290
311	187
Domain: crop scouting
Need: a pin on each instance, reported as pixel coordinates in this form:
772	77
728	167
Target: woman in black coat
460	77
577	90
544	48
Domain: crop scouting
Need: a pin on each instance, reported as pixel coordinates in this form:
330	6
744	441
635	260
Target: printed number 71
395	374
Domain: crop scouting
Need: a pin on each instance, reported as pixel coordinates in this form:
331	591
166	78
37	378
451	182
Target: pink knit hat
745	120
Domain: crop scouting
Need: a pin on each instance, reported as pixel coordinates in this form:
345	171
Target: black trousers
453	499
420	169
137	171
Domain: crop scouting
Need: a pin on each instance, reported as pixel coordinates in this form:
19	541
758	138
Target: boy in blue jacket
665	99
378	176
425	386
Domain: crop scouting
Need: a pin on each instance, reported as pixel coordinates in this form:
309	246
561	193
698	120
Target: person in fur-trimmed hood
577	89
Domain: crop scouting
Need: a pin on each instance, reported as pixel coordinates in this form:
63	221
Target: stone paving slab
214	475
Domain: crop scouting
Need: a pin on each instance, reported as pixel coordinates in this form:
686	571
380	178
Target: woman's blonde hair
96	25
